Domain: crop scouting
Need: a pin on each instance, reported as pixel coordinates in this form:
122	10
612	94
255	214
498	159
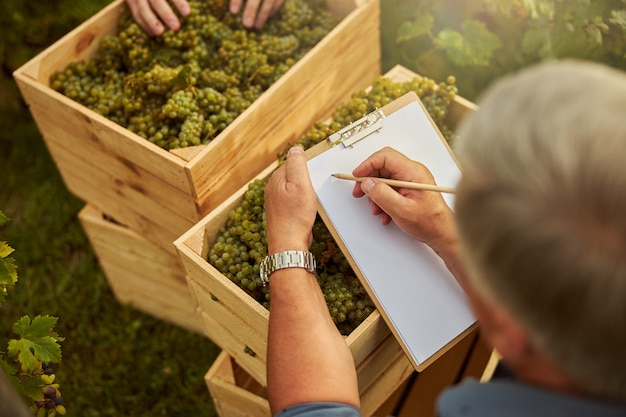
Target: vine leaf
595	28
618	17
38	342
8	270
27	386
473	46
182	79
414	29
537	41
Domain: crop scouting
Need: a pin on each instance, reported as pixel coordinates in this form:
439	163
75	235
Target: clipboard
419	299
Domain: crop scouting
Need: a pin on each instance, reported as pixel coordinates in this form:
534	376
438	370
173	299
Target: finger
263	14
182	6
145	17
235	6
384	197
165	13
276	5
250	12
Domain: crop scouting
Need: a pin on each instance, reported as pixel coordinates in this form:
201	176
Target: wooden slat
229	342
386	386
140	273
232	400
164	302
160	227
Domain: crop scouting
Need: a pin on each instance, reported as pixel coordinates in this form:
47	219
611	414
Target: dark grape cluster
241	243
183	88
52	401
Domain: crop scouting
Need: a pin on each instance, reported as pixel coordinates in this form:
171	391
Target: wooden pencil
397	183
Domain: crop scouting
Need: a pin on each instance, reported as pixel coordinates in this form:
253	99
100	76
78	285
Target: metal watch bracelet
286	259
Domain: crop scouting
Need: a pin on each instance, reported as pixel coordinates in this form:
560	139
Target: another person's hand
423	215
155	16
255	12
290	205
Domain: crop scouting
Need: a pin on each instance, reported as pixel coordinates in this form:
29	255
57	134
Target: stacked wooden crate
238	323
154	195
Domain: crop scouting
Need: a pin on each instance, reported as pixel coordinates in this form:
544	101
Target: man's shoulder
508	398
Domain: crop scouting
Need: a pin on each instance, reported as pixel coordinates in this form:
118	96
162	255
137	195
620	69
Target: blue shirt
497	398
510	398
320	410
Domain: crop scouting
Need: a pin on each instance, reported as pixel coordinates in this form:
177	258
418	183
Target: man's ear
509	338
501	330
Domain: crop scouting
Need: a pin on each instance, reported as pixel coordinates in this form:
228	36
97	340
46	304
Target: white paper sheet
419	295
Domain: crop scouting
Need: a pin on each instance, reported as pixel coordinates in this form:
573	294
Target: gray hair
542	213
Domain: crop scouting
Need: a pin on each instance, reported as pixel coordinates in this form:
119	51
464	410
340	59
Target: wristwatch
286	259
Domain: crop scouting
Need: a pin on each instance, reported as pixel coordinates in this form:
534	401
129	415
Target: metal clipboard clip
357	130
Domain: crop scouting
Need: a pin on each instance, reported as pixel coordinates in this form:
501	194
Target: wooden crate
238	323
236	393
162	194
139	272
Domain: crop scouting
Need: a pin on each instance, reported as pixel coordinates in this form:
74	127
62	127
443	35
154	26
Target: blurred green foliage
481	40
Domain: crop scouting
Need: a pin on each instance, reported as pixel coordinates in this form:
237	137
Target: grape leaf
474	45
504	6
8	270
3	218
29	387
182	79
618	17
536	42
38	342
595	34
414	29
5	250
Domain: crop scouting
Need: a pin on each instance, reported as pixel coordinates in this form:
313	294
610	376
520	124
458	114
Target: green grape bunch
185	87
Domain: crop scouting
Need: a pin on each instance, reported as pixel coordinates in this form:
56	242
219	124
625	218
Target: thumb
296	170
